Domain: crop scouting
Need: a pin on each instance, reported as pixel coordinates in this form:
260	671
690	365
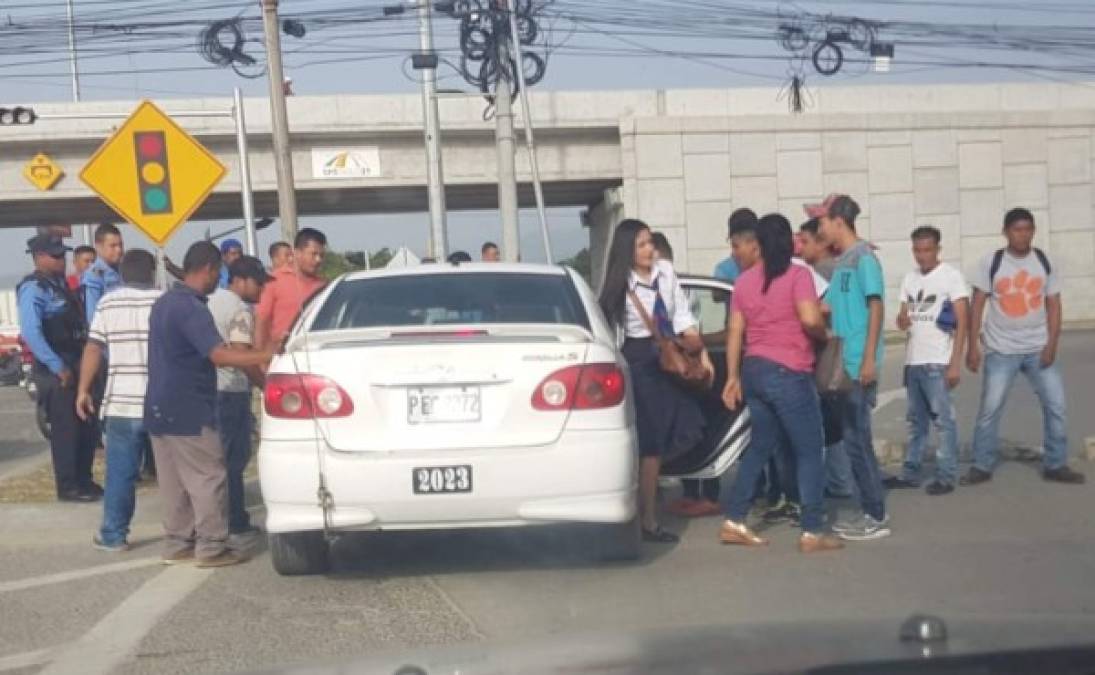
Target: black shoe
975	477
93	488
937	488
1064	475
659	536
80	496
788	512
899	483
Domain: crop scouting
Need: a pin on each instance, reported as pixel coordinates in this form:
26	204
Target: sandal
659	536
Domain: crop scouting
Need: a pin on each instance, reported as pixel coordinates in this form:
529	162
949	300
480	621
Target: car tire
300	553
621	542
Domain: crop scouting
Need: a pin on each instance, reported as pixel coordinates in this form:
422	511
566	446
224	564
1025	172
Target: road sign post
153	173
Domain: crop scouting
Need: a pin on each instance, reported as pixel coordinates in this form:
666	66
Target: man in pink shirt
284	297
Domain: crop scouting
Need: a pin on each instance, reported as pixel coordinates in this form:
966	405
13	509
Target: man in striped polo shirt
120	326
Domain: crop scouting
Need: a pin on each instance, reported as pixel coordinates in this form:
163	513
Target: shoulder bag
680	359
829	371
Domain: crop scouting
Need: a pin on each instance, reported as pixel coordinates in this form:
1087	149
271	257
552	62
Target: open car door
727	433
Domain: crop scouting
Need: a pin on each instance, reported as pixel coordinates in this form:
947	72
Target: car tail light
597	385
305	397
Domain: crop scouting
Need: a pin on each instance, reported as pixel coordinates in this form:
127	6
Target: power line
357	30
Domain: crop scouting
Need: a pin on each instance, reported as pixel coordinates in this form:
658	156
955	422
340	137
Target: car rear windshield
439	299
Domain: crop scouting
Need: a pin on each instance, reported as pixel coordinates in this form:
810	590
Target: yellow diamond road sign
153	173
42	172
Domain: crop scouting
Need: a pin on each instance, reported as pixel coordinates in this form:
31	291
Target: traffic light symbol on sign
152	174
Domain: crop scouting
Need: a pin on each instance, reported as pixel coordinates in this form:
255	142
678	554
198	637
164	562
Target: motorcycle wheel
43	421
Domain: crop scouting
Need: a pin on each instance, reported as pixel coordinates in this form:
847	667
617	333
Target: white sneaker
855	523
865	530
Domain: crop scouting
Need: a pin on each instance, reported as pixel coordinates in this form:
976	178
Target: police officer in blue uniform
102	276
53	324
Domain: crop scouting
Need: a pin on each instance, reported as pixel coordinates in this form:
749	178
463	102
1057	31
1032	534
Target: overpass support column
601	218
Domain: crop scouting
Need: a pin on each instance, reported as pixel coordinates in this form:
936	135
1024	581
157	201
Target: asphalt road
1017	547
21	444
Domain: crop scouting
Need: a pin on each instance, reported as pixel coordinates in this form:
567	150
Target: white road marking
111	641
61	577
26	659
889	396
475	630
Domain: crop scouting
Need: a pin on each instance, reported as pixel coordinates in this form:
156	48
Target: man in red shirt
284	297
82	258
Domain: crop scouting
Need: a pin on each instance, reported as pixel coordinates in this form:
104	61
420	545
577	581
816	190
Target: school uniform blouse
669	288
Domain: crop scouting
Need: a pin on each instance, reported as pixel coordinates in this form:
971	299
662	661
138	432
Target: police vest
66	332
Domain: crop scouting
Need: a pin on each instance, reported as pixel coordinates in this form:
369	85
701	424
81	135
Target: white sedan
453	396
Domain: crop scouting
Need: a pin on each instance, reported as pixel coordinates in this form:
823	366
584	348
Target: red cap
820	209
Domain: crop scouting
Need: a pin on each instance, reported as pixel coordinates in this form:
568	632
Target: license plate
431	480
427	405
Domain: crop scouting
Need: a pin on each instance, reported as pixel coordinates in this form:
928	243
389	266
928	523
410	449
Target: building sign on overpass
336	163
153	173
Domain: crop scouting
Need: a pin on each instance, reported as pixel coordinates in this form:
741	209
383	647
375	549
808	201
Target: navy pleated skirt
669	419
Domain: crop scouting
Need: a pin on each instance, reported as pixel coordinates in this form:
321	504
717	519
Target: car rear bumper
585	476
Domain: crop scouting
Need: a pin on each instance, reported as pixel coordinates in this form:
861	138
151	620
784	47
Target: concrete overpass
579	156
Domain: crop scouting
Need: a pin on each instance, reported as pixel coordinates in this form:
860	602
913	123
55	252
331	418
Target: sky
607	44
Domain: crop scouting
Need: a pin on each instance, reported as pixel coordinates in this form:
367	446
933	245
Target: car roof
460	268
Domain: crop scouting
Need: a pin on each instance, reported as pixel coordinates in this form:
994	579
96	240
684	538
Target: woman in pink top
775	312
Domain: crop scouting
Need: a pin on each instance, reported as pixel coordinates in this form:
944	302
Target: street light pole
435	175
279	116
85	229
72	51
245	174
530	142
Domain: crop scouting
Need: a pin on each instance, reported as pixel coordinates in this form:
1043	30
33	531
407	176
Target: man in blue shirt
180	413
52	322
231	250
855	296
728	268
102	277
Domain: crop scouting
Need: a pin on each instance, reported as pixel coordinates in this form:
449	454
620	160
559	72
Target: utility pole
435	175
279	117
85	229
507	171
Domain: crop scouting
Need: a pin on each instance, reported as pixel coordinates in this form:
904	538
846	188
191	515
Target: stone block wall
959	170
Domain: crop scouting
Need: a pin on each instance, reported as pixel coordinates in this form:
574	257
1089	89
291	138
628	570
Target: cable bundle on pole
222	43
484	27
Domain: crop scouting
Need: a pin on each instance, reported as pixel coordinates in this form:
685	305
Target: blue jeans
235	424
838	471
125	442
930	402
859	445
782	402
1000	372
